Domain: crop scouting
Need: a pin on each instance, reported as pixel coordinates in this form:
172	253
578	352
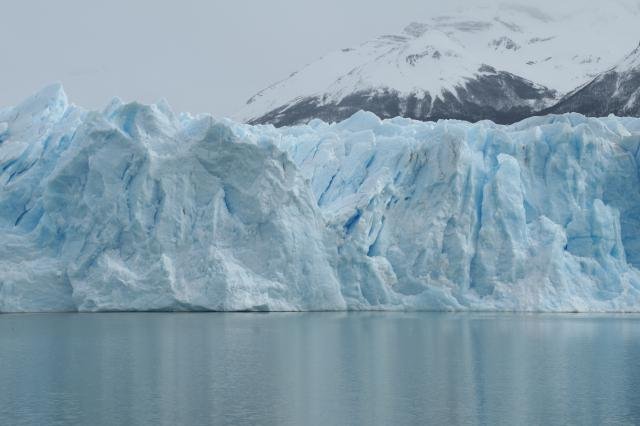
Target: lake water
319	368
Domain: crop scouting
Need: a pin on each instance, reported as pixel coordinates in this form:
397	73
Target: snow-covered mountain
500	64
139	208
616	91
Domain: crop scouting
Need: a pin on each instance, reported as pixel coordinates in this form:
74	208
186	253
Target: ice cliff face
138	208
134	208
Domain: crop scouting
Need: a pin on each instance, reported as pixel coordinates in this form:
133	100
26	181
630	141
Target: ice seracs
139	208
135	209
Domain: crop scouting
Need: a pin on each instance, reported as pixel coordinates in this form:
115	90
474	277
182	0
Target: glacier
137	207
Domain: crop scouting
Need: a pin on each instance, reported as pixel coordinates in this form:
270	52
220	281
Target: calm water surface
319	368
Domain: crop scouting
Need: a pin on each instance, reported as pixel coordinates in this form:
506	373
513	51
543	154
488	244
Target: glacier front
138	208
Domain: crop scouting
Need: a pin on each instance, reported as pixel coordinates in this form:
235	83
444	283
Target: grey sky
199	55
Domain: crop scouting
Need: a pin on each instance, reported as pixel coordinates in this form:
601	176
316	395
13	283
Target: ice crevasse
139	208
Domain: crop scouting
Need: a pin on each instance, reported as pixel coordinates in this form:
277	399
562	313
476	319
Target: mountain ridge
500	66
615	91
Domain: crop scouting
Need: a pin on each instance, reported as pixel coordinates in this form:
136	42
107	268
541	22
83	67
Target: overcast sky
202	56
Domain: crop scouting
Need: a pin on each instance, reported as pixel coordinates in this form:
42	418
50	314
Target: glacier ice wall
139	208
